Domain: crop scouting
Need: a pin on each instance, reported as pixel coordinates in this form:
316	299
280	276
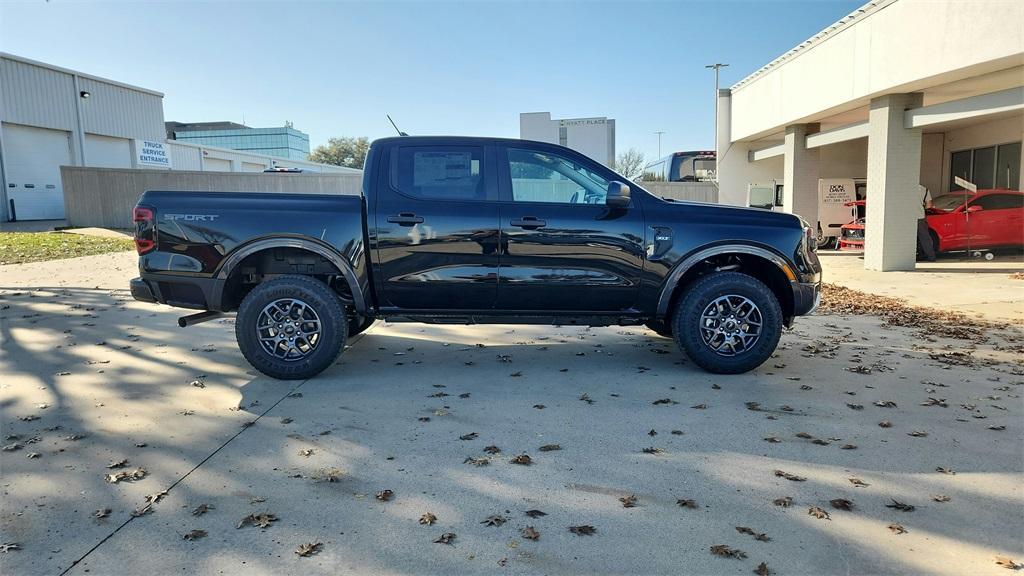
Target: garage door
216	165
107	152
252	167
33	157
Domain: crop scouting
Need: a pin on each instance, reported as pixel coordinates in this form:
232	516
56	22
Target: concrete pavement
391	414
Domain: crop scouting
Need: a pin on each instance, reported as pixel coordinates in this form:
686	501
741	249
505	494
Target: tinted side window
439	172
1001	201
546	177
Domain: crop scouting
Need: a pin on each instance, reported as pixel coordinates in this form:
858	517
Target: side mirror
974	208
618	195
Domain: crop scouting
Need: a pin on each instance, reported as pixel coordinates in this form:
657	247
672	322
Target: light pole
659	133
717	66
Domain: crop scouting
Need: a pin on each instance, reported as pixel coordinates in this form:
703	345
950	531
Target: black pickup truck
458	230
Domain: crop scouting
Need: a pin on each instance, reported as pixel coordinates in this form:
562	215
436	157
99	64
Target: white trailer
834	195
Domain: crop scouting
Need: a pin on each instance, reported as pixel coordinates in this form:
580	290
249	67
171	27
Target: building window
563	136
988	167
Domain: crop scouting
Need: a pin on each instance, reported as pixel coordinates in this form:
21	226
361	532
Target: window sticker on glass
436	168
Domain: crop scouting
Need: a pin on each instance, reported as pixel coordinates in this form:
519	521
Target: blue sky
336	68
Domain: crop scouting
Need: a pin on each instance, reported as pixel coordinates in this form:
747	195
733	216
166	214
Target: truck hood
727	213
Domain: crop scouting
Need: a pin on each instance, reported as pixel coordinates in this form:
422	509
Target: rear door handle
405	219
528	222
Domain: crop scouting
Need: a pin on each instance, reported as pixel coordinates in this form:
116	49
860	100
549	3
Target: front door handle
528	223
405	219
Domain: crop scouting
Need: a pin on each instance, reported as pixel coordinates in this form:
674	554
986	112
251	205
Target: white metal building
52	117
594	137
902	92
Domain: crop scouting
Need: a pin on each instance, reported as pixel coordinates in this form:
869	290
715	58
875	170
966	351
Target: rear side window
1001	201
439	172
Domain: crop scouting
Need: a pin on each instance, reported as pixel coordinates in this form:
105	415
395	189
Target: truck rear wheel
291	328
728	323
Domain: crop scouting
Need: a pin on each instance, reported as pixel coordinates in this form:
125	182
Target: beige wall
900	46
104	197
735	172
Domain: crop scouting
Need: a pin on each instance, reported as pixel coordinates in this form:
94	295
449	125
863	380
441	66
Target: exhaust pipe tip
198	318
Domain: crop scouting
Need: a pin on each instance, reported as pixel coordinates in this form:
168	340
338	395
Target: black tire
660	328
358	324
686	322
317	356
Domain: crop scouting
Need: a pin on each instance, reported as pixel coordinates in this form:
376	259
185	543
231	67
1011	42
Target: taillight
144	232
143	214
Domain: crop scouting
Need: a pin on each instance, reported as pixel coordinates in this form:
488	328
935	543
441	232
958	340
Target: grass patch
21	247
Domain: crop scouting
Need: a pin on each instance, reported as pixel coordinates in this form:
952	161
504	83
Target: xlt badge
661	244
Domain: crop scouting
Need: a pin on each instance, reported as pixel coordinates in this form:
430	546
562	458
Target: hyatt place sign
582	122
152	154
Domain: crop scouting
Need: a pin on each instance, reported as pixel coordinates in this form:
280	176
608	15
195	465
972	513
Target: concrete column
723	124
800	173
894	173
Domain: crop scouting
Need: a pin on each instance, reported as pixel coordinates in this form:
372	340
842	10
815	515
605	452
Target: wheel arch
344	268
762	263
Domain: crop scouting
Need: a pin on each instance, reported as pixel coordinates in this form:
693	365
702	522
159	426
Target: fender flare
692	260
328	253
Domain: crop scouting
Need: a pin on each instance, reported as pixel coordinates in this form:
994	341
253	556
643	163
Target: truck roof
459	139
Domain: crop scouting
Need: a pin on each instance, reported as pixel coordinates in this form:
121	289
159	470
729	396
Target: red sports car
986	219
851	234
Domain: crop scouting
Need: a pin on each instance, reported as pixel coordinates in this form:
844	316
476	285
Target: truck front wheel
728	323
291	327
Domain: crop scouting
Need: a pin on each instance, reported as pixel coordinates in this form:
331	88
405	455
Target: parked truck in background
835	204
455	230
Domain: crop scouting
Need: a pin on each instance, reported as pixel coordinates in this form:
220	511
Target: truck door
437	228
562	248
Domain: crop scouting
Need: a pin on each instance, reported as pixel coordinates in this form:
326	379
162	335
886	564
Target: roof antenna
400	133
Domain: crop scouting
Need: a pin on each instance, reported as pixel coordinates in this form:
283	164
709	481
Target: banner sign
152	154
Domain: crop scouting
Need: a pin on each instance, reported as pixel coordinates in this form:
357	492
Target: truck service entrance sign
152	154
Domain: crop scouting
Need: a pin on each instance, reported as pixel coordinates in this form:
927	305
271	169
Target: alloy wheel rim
288	329
731	325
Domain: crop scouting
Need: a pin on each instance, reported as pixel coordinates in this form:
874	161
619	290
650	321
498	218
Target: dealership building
52	117
594	137
904	93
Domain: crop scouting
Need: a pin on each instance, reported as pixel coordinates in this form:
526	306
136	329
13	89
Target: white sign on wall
582	122
152	154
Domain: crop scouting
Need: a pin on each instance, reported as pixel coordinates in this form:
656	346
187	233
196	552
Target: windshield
949	202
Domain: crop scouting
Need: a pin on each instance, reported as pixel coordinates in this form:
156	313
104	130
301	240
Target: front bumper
806	297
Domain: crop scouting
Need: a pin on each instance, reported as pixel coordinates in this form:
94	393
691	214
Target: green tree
348	152
629	163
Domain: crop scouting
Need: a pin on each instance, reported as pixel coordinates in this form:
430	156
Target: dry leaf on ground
494	520
900	506
309	549
727	552
788	476
818	513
